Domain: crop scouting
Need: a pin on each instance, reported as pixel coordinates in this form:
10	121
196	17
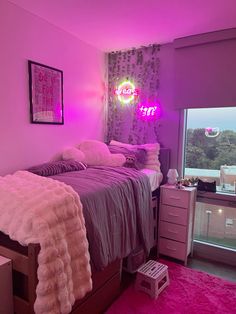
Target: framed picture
46	94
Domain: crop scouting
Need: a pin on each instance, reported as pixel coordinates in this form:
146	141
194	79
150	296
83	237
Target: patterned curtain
141	67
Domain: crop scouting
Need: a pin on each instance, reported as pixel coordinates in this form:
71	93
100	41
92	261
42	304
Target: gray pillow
57	167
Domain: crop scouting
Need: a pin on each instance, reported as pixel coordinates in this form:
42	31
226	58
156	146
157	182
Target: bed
106	267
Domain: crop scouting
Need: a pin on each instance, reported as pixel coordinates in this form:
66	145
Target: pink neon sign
148	111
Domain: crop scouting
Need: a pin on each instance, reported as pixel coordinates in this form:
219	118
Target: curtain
141	67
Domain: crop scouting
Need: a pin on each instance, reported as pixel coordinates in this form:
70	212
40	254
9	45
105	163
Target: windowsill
212	175
217	198
215	245
230	190
214	252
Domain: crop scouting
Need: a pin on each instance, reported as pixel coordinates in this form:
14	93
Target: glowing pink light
148	112
126	92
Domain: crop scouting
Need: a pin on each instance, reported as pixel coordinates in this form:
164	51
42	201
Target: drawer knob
175	198
174	215
172	231
170	248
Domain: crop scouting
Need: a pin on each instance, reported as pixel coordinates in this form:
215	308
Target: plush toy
73	153
97	154
94	153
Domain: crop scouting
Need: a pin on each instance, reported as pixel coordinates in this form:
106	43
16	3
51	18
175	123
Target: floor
221	270
224	271
215	268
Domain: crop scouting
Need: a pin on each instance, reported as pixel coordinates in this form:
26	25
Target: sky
224	118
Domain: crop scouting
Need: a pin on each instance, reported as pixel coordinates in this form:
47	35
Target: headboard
164	158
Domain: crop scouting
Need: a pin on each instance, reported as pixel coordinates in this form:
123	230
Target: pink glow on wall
126	92
27	37
148	111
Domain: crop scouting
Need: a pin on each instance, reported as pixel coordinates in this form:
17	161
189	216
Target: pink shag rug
189	292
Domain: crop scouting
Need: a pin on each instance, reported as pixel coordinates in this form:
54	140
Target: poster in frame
46	94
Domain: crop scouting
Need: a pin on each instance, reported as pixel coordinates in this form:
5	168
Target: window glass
210	148
215	224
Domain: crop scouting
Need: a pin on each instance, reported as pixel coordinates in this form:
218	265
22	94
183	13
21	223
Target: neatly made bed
116	206
119	211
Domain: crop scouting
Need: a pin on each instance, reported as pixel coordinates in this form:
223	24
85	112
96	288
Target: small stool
152	278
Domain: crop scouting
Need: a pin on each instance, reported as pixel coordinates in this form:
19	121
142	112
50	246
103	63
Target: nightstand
176	221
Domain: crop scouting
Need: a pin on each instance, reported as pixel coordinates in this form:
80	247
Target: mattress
154	177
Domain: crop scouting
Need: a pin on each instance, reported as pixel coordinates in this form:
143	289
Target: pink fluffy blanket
36	209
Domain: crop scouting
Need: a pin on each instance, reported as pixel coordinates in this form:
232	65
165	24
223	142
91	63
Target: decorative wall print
46	94
141	67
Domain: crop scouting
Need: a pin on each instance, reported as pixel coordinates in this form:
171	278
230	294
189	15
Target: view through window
210	151
210	154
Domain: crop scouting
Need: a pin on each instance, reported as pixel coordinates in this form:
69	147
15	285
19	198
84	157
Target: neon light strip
125	101
125	92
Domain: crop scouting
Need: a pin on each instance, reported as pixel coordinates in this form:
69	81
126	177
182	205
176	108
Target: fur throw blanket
36	209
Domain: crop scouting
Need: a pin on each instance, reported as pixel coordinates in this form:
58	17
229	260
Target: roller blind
205	70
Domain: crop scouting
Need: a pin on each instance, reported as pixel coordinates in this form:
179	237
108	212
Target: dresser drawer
174	214
175	197
172	248
173	231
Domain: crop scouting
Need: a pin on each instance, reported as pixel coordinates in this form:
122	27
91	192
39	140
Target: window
210	148
210	154
215	224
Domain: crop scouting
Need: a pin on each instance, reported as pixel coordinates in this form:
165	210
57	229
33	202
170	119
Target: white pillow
116	160
116	143
97	154
152	160
155	167
73	153
152	149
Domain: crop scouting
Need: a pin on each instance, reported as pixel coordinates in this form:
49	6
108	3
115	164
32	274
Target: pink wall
25	36
169	123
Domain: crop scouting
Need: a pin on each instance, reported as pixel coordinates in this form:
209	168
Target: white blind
205	70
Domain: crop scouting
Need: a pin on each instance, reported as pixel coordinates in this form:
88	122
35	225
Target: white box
6	292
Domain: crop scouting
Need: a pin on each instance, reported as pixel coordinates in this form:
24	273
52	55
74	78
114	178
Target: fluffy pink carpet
189	292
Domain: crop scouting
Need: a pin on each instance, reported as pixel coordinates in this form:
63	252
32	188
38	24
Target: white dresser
176	221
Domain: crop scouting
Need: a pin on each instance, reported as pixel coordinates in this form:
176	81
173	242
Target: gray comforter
117	210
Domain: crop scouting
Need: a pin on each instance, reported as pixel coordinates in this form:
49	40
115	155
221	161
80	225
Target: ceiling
112	25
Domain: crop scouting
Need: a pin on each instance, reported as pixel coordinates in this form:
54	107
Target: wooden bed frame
24	265
106	283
